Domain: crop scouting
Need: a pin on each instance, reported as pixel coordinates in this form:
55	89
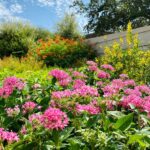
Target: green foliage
43	34
16	38
63	52
68	27
107	16
105	123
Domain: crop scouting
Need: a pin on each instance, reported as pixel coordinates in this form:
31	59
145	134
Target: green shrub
68	27
16	38
132	61
43	34
63	52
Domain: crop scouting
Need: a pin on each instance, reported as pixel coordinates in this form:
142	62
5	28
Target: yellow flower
119	65
121	40
135	40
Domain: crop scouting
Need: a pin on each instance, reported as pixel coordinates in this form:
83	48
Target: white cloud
16	8
46	2
10	12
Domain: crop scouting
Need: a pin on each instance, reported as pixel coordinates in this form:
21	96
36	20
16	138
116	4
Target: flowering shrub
132	61
63	52
75	109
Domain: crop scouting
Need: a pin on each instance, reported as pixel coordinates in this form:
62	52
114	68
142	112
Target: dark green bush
16	38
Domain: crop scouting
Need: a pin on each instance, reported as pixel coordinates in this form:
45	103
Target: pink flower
14	83
91	63
109	104
12	112
10	137
9	85
65	82
144	89
109	91
146	106
99	83
61	94
82	91
23	130
86	91
147	98
54	118
133	91
36	86
35	120
79	74
123	76
93	68
90	108
118	84
78	83
59	74
107	66
28	106
103	74
134	100
129	83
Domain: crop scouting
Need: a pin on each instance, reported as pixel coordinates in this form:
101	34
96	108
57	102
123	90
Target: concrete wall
107	40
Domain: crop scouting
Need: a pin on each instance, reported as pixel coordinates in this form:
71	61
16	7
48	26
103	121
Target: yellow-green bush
28	63
132	61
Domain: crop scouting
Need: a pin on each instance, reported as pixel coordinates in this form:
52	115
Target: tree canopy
108	16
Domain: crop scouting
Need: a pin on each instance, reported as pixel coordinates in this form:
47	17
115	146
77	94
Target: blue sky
41	13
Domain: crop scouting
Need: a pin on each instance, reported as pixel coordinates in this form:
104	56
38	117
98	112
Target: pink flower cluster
28	107
99	83
58	74
78	83
78	74
12	112
144	89
129	83
132	91
103	74
10	137
63	77
132	99
35	120
116	85
54	118
91	108
108	67
9	85
65	82
110	104
91	63
83	91
92	66
36	86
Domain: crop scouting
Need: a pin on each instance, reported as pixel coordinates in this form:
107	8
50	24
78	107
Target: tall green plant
68	27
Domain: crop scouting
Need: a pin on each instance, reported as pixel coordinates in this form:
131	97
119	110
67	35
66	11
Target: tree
68	27
108	16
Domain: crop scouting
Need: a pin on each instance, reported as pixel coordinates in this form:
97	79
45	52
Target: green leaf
75	144
116	114
124	122
66	133
137	138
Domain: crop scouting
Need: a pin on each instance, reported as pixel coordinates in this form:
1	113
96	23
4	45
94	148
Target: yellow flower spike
129	34
121	40
135	41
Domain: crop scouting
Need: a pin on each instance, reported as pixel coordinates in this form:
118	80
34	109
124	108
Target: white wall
107	40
